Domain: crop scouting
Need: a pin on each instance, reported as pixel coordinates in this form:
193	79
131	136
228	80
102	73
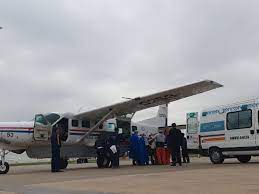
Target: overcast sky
64	54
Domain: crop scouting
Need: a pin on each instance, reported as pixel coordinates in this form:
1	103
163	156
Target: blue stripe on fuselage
13	131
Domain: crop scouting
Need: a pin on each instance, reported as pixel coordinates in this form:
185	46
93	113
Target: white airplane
80	131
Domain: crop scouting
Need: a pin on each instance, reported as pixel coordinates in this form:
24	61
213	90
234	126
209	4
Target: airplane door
42	129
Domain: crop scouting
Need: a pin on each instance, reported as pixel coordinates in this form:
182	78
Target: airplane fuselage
24	136
16	135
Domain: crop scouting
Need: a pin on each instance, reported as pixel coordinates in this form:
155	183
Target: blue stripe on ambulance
212	126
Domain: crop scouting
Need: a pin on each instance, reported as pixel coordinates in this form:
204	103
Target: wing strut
96	126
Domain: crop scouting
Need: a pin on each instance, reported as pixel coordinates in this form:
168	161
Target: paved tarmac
199	177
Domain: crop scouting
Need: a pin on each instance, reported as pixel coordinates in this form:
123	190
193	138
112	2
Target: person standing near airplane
134	148
143	154
167	150
185	154
55	149
160	146
152	149
175	142
114	143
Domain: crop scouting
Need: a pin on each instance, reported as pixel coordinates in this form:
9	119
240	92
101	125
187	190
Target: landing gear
103	158
103	162
63	163
4	166
82	161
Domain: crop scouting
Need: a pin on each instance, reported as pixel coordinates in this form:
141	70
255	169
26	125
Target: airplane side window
86	124
75	123
111	126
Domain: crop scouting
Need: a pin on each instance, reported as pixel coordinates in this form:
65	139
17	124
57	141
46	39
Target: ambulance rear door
192	134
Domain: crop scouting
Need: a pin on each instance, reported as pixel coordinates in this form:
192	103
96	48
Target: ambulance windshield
52	117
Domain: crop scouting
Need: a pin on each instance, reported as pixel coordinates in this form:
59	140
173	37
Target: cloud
62	55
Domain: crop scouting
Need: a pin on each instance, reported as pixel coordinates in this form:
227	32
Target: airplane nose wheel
4	166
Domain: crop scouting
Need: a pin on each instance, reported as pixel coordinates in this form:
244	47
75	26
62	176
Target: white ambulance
230	131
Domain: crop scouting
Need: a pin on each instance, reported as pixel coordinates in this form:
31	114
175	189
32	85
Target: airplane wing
141	103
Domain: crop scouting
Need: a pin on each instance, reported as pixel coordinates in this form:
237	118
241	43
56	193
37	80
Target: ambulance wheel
63	163
216	156
244	159
5	168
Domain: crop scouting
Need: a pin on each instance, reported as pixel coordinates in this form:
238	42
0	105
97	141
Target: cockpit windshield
52	117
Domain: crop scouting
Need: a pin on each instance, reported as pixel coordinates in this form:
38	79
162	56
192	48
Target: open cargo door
192	134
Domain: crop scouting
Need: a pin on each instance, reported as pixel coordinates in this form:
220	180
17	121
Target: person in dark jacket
55	149
114	144
185	154
174	144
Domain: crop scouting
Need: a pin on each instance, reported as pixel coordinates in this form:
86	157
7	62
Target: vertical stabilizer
161	118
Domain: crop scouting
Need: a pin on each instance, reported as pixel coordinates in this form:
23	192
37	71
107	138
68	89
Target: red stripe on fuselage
16	128
79	130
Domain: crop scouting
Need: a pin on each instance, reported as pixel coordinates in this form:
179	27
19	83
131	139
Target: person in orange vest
167	150
160	147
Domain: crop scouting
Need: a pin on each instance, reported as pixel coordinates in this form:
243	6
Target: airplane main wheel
4	169
103	162
63	163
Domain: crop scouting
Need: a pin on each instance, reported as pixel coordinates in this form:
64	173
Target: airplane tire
82	160
103	162
5	169
99	161
244	159
63	163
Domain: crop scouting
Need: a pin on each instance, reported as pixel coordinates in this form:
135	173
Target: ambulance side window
239	120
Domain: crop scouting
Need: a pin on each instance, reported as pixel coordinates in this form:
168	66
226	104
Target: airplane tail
161	118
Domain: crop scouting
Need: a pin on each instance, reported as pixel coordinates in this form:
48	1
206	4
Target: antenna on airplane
80	109
127	98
